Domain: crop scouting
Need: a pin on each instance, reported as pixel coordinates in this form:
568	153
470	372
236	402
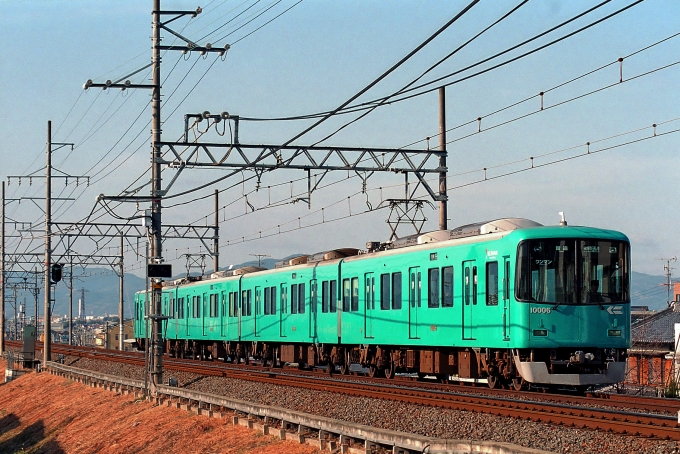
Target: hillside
49	414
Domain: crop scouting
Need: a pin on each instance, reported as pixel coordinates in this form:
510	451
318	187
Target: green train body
504	301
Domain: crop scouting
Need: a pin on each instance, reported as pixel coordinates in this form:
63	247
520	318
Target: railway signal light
57	272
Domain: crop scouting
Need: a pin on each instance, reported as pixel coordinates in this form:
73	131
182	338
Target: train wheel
330	368
344	368
374	372
389	371
518	384
493	381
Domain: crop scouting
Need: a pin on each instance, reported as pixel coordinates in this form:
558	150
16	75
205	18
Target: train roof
465	234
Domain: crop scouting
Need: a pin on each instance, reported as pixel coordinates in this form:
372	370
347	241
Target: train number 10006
541	310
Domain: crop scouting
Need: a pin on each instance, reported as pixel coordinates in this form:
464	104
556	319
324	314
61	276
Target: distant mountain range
101	291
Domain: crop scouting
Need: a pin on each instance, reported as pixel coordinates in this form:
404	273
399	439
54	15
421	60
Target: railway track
654	417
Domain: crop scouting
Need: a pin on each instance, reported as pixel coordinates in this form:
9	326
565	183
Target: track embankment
49	414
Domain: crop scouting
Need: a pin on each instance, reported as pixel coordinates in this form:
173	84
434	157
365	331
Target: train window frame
492	284
447	297
397	290
385	291
433	288
355	294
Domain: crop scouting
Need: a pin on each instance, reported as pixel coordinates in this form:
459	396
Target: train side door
414	300
283	313
204	313
313	307
241	309
469	297
258	299
223	313
166	311
506	298
369	304
187	313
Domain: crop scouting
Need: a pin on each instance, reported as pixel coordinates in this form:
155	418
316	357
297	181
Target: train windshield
568	271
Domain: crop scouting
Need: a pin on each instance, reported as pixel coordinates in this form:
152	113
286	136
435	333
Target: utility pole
120	298
216	237
443	198
155	239
47	332
259	258
2	275
667	268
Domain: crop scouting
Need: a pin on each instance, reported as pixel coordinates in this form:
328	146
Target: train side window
266	301
333	291
244	296
284	299
249	300
385	292
294	299
355	294
171	312
396	290
301	298
433	287
324	297
223	303
447	286
474	285
492	284
345	295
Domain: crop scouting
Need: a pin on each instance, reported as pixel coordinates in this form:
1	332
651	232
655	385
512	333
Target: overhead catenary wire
357	95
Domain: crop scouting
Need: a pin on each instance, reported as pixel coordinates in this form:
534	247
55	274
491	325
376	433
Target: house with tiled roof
651	357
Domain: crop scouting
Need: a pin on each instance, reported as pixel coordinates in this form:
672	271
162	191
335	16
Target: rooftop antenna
563	221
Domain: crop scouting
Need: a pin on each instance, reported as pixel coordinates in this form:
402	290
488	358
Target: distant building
651	357
109	336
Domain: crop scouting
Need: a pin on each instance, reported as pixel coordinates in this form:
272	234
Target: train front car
572	291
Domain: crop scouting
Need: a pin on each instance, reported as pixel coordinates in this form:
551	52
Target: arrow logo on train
615	310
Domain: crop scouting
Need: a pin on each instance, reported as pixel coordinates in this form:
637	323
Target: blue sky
312	59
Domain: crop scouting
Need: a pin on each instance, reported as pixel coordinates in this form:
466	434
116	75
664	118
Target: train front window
604	267
562	271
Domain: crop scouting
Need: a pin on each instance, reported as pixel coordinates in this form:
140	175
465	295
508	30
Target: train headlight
614	332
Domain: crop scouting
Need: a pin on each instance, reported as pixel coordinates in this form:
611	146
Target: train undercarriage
513	368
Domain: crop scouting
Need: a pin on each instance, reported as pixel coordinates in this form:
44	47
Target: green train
506	302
